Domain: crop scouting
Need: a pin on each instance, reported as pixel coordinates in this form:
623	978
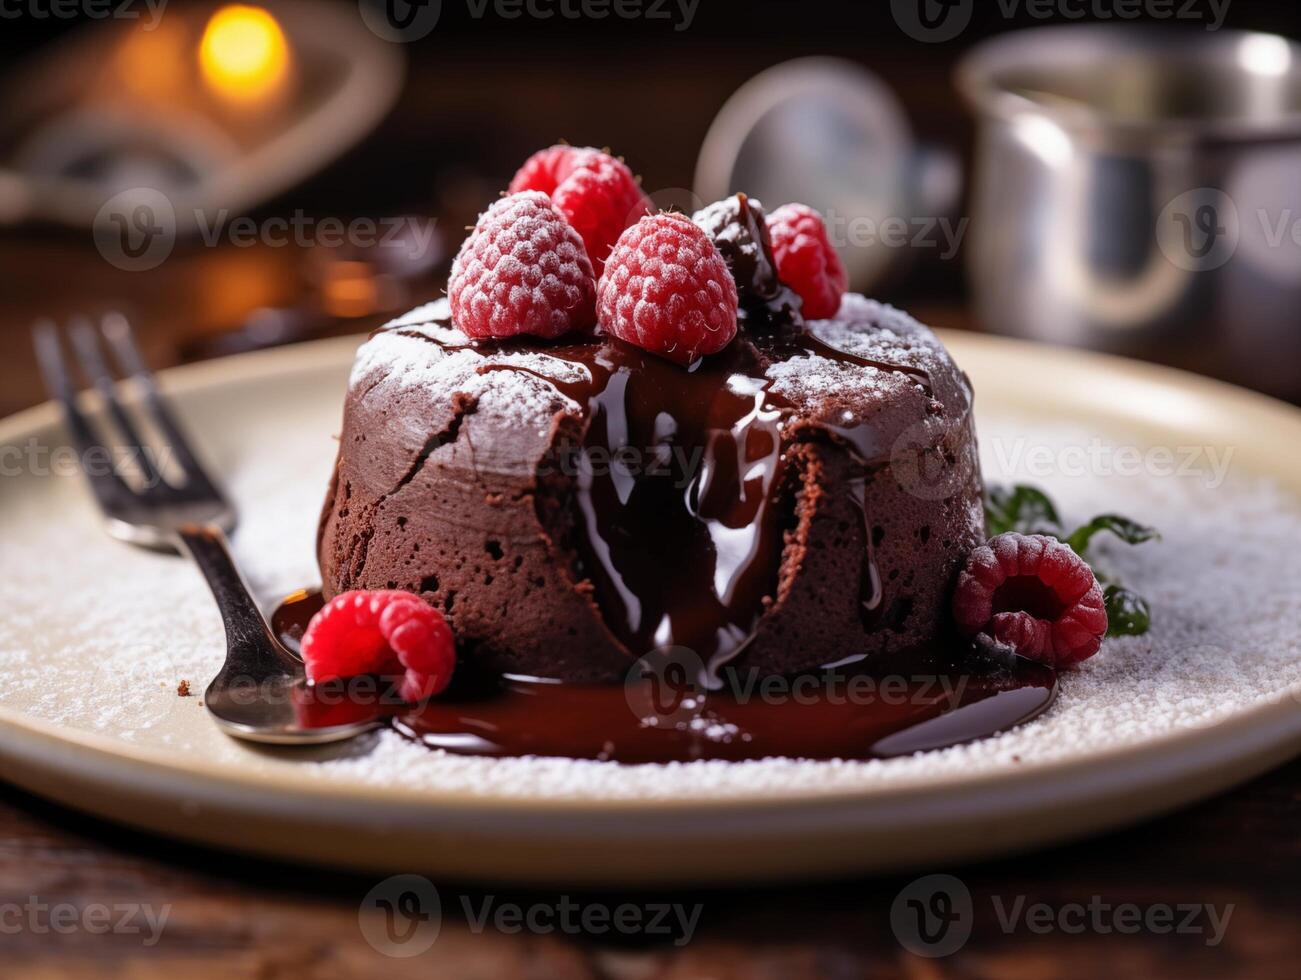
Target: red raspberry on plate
1034	594
806	261
523	270
667	290
390	633
596	192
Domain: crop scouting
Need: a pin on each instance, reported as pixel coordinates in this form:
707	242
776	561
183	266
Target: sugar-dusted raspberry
596	192
667	290
390	633
1032	593
523	270
806	261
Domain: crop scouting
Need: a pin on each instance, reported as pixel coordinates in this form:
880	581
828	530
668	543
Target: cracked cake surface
465	475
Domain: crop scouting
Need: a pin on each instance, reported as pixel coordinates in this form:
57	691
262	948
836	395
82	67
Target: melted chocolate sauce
710	491
871	591
836	713
738	228
684	551
683	555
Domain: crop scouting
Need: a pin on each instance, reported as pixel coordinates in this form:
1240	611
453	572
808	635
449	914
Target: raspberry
667	290
596	192
523	270
544	170
390	633
1034	594
805	259
601	198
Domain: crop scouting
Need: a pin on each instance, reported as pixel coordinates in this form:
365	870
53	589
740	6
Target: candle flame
244	54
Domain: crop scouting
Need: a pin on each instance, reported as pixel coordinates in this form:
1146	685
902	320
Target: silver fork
253	697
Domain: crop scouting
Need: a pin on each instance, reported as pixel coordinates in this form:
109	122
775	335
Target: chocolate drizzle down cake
792	502
801	496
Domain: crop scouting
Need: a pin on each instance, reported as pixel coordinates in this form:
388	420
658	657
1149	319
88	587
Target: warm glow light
150	67
350	290
1265	54
244	54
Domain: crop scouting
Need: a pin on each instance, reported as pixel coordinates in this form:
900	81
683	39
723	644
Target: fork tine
107	485
119	335
86	343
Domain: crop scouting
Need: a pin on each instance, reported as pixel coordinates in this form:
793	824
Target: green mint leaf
1127	613
1020	508
1131	532
1029	510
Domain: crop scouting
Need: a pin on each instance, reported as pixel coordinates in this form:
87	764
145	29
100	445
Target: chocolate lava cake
803	497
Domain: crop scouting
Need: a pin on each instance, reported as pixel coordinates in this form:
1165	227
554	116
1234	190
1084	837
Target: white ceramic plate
95	637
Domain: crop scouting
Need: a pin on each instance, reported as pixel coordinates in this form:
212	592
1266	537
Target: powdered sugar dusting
422	350
96	635
879	332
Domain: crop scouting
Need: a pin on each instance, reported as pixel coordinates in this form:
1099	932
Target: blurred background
234	176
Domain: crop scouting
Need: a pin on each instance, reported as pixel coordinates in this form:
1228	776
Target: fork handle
247	631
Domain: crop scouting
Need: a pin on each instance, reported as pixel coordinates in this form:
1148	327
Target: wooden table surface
237	917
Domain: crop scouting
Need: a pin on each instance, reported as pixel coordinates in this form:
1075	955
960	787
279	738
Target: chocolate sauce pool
660	716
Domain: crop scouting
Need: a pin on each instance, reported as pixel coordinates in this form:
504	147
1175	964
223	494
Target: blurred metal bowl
830	134
1140	191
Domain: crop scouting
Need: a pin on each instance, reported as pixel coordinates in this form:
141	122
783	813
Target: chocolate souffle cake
802	496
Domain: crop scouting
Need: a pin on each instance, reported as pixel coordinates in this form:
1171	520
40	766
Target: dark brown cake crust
446	486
